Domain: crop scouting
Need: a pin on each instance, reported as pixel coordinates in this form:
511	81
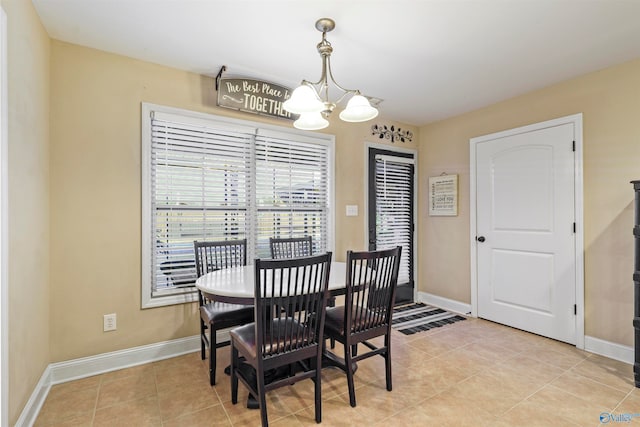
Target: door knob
480	239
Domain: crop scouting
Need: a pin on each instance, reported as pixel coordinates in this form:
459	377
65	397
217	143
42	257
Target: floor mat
418	317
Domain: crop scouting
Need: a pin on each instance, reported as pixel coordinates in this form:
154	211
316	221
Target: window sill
172	299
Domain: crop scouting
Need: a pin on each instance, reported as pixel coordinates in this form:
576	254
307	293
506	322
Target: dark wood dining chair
371	282
216	315
283	338
294	247
291	247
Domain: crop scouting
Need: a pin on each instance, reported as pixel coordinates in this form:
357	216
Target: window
211	178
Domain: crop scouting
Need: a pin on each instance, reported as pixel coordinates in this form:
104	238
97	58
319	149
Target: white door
525	228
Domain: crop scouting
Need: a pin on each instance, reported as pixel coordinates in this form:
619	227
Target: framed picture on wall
443	195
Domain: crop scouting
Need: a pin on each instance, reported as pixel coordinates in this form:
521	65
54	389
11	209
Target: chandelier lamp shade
311	100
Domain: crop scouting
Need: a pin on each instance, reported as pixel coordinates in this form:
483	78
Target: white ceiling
428	59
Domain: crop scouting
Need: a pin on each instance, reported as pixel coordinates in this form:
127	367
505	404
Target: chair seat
220	312
244	337
334	321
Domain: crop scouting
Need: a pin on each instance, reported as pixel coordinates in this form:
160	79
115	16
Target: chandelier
311	100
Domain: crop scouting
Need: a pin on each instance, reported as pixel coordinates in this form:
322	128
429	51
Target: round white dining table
237	284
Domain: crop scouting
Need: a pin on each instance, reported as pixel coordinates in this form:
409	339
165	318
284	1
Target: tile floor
471	373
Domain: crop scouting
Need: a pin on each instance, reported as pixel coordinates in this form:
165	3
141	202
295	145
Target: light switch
352	210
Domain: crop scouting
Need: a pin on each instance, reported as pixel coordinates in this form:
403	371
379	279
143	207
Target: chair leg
387	360
354	350
332	303
318	389
262	398
202	346
387	363
349	371
212	356
234	376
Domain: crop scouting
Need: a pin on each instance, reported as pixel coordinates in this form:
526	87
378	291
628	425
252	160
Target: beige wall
28	91
610	103
96	195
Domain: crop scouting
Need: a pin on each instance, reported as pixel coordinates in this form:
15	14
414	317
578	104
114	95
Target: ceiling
427	59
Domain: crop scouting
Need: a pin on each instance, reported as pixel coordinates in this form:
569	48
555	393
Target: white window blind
394	178
213	180
292	198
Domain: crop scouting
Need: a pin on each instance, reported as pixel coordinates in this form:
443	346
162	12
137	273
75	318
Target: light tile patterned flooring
471	373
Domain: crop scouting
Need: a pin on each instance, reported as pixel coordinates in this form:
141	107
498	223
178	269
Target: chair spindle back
291	297
293	247
211	256
372	279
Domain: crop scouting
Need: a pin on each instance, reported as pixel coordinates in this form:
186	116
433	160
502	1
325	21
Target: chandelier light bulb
311	121
303	100
358	110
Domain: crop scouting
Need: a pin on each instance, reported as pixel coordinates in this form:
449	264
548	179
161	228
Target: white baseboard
84	367
93	365
34	404
445	303
609	349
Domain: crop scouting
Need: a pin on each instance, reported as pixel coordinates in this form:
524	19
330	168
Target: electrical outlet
109	322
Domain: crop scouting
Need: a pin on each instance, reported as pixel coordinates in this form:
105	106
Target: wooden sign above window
253	96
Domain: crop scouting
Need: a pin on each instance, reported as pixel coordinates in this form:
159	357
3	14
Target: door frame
4	224
414	152
576	120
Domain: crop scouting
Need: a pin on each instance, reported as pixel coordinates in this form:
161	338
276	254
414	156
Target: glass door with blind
391	211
